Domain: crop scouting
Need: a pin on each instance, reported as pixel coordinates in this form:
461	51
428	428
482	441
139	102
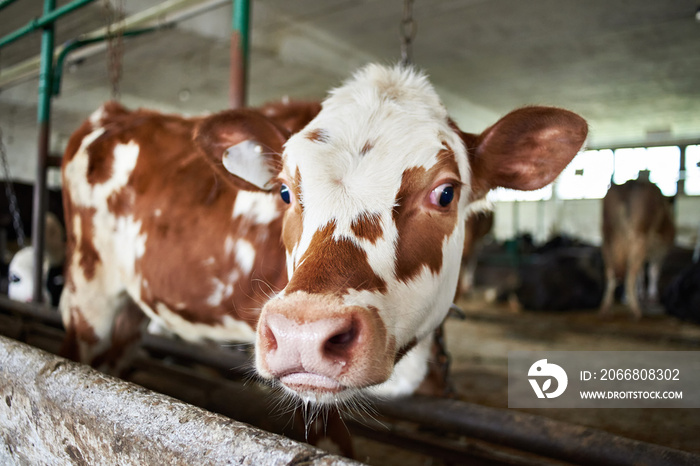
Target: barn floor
479	346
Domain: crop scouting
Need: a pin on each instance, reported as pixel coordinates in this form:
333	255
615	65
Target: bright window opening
662	163
692	170
503	194
587	176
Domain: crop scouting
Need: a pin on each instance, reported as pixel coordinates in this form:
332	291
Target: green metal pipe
239	53
241	24
46	19
44	113
75	44
46	70
5	3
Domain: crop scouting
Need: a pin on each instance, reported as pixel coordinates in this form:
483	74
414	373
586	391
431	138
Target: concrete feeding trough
53	411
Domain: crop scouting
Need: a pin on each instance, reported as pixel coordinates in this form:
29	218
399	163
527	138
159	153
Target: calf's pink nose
323	347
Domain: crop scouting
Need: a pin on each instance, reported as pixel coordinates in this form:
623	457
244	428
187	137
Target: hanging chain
408	33
115	43
11	196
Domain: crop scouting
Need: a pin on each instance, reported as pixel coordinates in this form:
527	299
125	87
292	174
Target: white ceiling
631	67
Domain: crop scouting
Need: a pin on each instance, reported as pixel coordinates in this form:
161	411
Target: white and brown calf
367	203
155	228
379	186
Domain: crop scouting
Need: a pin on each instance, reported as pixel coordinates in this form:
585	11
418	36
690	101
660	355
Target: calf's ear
245	144
524	150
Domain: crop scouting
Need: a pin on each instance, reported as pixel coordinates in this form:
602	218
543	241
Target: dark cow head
377	189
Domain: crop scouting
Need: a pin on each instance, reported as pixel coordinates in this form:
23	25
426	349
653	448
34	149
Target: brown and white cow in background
637	227
368	204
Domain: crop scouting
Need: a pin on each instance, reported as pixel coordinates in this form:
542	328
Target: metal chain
408	33
115	43
11	196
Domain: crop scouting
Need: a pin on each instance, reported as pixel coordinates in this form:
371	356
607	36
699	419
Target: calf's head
377	190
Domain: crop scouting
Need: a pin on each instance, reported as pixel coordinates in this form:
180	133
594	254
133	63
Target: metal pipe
44	120
168	12
5	3
239	53
40	313
536	434
75	44
47	19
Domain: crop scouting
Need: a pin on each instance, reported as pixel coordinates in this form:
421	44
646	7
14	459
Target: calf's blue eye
443	195
285	194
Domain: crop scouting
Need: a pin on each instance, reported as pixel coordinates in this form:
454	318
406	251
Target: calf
21	269
378	188
637	227
367	204
155	227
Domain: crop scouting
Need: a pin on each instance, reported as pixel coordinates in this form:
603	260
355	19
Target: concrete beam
53	411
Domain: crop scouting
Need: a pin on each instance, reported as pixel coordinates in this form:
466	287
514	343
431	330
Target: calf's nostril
341	339
270	340
339	344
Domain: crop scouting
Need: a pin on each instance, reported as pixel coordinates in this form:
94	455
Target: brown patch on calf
126	333
334	266
421	230
75	141
100	159
368	226
293	218
120	202
292	228
366	148
78	330
89	256
317	135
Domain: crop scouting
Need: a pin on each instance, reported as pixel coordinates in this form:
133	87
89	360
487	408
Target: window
663	164
589	173
587	176
503	194
692	170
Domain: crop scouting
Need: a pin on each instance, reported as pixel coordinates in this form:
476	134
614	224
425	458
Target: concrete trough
53	411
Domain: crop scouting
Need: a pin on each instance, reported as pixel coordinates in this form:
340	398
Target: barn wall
54	411
20	145
687	220
543	219
580	218
21	148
